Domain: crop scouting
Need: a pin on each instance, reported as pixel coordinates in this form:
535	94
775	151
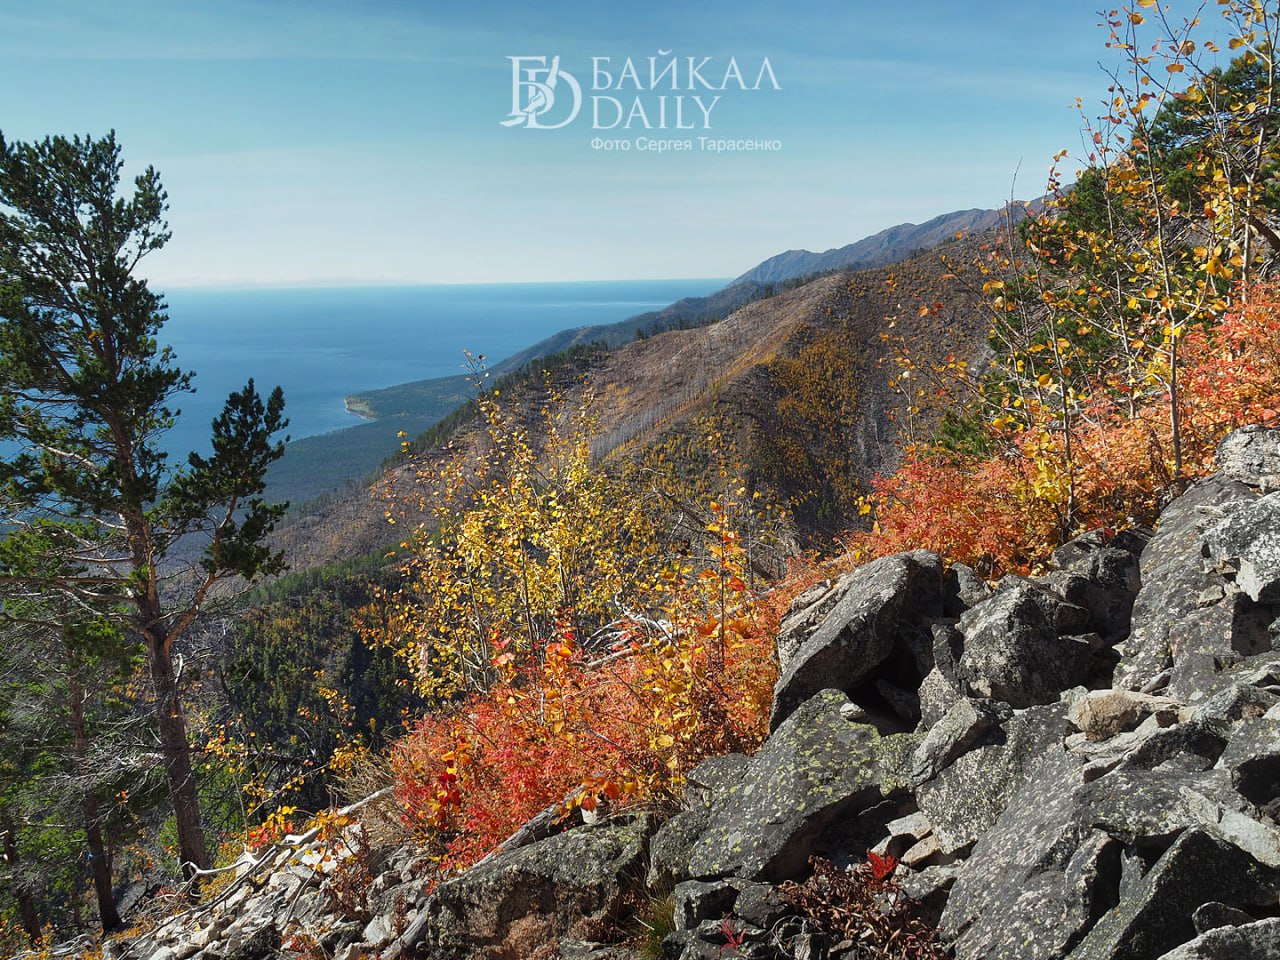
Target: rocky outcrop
1080	766
570	885
845	638
816	768
1251	455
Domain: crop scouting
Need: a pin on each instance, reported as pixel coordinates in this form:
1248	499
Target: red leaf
881	867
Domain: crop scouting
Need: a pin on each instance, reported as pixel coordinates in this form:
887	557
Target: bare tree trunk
99	865
28	911
177	754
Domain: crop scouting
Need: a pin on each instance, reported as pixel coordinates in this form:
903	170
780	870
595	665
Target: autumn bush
997	511
576	650
622	730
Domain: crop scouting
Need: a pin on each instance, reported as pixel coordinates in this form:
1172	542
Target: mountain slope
887	246
796	378
315	466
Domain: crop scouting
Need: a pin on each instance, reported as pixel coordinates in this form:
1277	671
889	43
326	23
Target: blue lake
321	345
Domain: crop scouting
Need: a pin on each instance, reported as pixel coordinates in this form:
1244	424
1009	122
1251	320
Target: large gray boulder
1031	886
1093	573
1169	613
1014	649
670	847
1054	861
966	797
1259	940
848	633
953	734
1246	547
816	768
568	885
1197	869
1209	641
1252	455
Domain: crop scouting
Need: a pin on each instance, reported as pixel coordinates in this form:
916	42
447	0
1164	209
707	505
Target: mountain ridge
889	245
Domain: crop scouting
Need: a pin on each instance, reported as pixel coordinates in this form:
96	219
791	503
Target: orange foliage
624	728
998	512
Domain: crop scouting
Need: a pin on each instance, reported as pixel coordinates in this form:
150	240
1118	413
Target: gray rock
1173	580
563	886
713	775
1259	940
926	883
760	905
860	627
586	950
937	695
377	931
1212	915
1101	578
1233	703
1252	757
1149	806
259	945
913	826
1035	881
962	588
905	704
1012	648
951	736
670	847
1246	546
922	852
948	646
1191	747
1252	455
1196	869
802	619
696	901
1209	642
896	752
1259	840
968	797
815	768
347	933
1055	860
854	712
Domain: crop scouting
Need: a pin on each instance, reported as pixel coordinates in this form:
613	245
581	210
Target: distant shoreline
360	408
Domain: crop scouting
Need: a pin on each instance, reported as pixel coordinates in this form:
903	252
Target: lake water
321	345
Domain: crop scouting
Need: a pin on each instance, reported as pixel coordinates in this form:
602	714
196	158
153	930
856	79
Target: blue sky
339	142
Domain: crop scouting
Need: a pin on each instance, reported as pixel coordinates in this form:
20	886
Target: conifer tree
86	395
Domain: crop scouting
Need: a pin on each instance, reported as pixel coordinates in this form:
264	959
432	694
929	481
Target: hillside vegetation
562	601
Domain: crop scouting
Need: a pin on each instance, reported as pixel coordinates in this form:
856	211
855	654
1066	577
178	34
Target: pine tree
86	395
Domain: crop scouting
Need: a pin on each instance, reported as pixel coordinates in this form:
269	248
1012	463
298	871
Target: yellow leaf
1044	379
